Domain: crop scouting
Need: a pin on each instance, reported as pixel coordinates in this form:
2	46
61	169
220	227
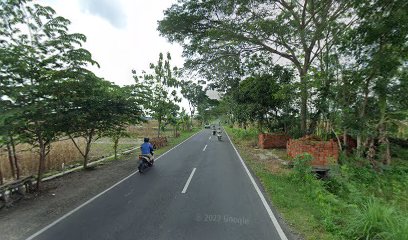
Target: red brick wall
320	150
276	140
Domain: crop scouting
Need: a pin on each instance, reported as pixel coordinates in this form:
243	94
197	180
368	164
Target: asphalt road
198	190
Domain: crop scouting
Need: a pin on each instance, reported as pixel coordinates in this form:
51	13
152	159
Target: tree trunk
41	166
359	144
1	176
115	147
10	157
346	147
191	115
303	104
385	155
88	148
158	130
13	148
191	122
363	110
385	149
371	150
338	139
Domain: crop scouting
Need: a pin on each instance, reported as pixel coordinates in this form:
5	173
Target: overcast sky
121	34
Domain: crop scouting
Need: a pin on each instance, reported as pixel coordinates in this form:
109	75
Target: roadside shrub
376	220
302	167
399	152
245	134
328	205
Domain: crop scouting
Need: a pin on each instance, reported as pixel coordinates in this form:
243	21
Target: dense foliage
46	90
350	58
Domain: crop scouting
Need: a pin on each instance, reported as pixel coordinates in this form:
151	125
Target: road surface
199	190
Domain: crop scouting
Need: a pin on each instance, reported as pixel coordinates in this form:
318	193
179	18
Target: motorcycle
214	132
144	163
219	137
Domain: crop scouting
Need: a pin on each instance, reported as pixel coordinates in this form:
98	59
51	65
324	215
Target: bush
302	166
376	220
245	134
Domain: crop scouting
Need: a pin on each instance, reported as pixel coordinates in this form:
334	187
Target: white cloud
110	10
116	46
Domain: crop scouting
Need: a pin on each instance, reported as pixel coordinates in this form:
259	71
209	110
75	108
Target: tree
265	99
116	134
294	30
171	117
8	136
205	109
194	94
378	44
184	119
37	55
158	89
98	108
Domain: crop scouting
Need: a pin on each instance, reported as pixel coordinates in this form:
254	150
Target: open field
64	152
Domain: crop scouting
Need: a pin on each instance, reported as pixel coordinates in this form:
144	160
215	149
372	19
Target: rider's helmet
146	139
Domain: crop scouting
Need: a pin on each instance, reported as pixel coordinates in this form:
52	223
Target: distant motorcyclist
213	129
147	148
219	133
219	130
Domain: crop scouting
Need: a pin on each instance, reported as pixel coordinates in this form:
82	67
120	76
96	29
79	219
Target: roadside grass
354	203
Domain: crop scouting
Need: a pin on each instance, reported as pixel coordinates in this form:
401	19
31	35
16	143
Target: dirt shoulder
59	196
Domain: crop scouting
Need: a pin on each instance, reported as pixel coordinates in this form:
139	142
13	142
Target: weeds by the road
356	202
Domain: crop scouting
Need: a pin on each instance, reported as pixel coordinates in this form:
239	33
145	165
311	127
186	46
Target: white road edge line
265	203
204	147
100	194
188	181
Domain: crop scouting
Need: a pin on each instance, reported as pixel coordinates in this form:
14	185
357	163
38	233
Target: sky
121	34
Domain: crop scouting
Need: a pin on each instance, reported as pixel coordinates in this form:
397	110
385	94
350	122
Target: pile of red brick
274	140
159	142
323	152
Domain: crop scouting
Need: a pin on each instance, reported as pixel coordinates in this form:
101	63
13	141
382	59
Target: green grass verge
355	203
284	193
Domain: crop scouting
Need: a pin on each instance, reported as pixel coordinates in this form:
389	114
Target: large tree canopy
220	33
265	99
37	54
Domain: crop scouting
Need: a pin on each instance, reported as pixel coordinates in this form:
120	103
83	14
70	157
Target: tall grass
64	152
245	134
377	220
249	135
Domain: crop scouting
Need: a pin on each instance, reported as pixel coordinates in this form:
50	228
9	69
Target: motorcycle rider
219	133
147	149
